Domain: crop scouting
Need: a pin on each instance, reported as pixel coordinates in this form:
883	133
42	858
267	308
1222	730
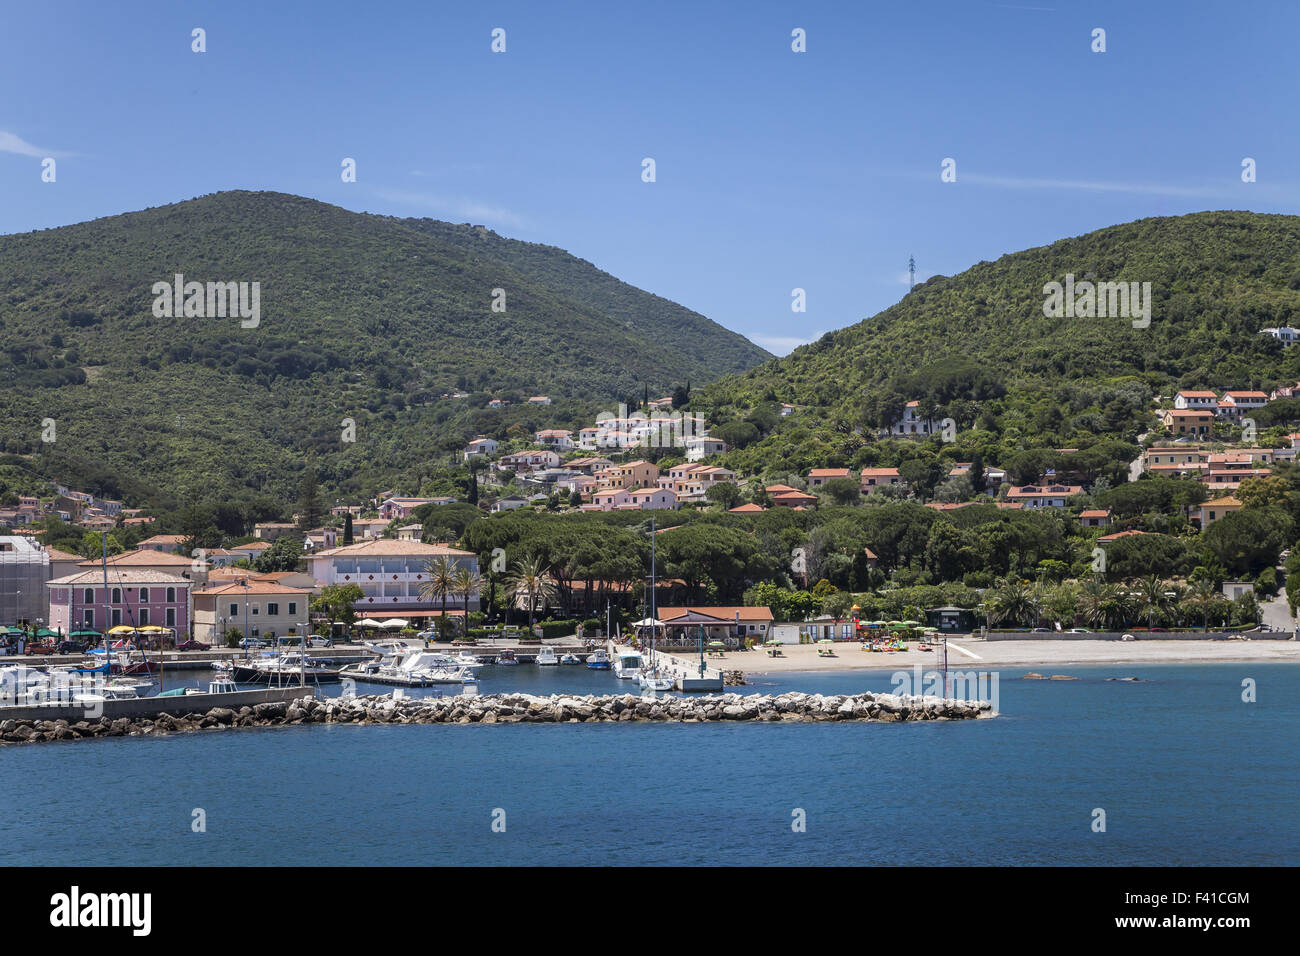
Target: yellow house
635	474
1212	511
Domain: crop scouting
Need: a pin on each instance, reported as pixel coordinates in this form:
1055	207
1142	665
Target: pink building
134	597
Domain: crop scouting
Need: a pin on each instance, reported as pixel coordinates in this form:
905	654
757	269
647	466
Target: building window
88	619
171	595
272	609
117	595
117	617
293	608
255	607
171	617
144	595
144	617
88	595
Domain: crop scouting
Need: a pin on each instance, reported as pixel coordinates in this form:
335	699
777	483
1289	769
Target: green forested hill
363	317
977	346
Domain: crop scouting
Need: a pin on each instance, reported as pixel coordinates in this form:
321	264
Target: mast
108	615
653	616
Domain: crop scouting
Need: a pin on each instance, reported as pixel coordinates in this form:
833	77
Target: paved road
1277	613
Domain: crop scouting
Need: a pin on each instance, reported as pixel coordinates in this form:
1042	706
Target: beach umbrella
396	624
121	629
367	622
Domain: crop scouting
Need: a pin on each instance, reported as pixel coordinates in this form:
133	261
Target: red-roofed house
819	476
1094	518
876	478
1042	496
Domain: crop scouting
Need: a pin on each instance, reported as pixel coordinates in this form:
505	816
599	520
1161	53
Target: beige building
264	609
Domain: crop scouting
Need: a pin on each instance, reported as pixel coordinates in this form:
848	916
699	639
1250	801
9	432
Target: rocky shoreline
508	709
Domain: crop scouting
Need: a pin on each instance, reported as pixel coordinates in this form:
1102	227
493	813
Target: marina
1054	738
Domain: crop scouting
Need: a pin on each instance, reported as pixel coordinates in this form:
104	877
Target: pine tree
310	512
977	476
472	496
347	529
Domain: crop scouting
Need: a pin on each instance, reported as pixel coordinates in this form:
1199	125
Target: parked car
193	646
39	648
248	642
1078	630
317	641
71	647
428	634
1040	630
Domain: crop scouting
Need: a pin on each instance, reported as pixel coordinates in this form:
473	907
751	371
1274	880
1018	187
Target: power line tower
911	272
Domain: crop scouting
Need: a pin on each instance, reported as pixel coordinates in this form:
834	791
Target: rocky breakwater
511	709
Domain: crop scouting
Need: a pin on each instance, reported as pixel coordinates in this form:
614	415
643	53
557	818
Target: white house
481	447
699	447
912	423
1199	398
1238	402
557	438
1286	335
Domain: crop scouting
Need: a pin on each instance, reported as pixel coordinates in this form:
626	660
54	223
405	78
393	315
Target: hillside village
1193	506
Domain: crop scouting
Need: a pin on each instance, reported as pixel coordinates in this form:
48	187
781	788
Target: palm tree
1152	597
1099	602
1201	597
440	581
528	582
466	581
1012	603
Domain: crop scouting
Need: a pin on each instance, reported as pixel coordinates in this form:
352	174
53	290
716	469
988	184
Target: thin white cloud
1149	189
783	344
13	143
457	207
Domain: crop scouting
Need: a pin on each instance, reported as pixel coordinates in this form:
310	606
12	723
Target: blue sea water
1186	772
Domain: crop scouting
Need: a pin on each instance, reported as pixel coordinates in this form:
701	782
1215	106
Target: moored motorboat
546	657
570	658
628	664
598	661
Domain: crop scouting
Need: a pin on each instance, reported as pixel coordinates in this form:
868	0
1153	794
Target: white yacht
628	664
546	656
415	668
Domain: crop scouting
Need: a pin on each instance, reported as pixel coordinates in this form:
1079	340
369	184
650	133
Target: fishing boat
546	656
598	661
570	658
507	657
628	664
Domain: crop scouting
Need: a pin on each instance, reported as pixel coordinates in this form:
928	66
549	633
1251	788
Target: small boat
220	685
570	658
507	657
628	664
546	656
655	680
598	661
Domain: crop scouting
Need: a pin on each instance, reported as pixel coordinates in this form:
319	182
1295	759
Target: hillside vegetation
363	317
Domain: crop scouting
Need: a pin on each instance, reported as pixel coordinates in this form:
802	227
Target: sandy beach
983	655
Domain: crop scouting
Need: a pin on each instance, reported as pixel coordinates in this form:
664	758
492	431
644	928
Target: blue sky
775	169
